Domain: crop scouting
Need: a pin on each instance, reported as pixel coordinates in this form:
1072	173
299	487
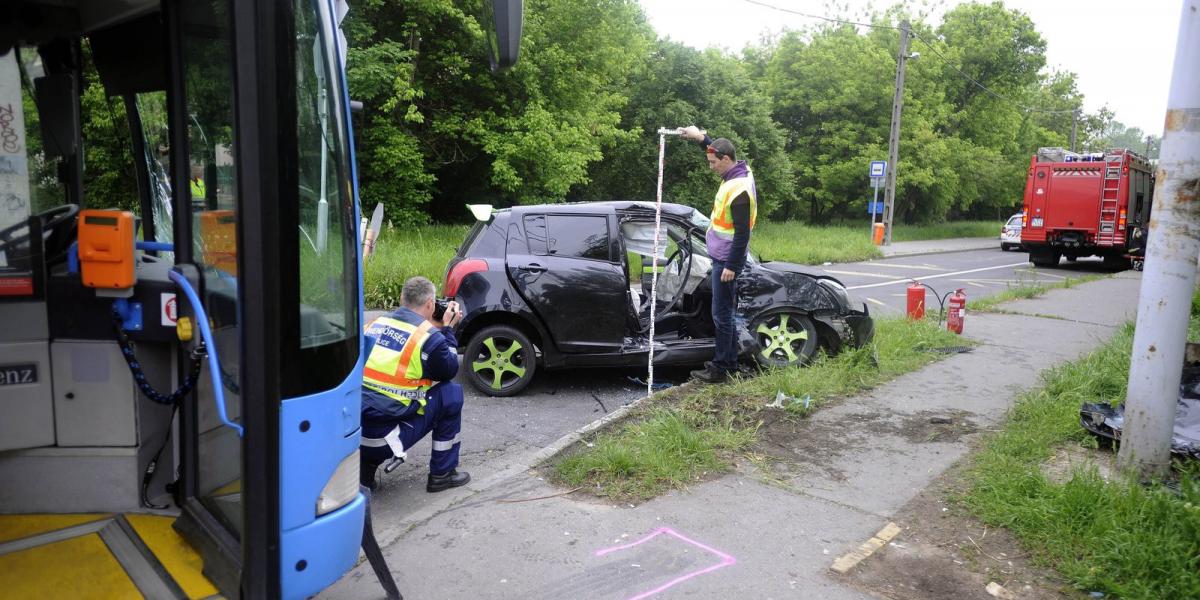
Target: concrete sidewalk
938	246
750	534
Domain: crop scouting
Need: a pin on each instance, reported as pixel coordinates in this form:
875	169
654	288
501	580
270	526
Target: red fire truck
1086	205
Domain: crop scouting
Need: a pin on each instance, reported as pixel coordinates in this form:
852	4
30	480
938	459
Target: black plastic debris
1105	422
658	385
950	349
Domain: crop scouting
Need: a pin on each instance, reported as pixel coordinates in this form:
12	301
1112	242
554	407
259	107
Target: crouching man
409	389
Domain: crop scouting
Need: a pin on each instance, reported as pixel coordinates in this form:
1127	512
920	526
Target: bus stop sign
878	169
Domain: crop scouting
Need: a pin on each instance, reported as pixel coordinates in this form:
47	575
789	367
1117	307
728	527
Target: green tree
684	86
438	125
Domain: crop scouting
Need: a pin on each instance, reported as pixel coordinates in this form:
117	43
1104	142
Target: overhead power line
981	86
928	45
821	17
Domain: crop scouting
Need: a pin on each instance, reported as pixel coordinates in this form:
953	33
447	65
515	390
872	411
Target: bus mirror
58	105
502	22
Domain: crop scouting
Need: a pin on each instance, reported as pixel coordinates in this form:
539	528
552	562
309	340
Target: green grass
679	437
1023	291
1120	538
941	231
400	255
808	245
649	457
1194	325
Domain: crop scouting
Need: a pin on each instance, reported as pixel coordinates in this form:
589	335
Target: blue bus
179	383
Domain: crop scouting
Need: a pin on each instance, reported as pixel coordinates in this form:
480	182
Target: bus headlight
342	486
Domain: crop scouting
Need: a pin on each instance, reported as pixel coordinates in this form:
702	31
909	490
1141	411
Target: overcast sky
1121	50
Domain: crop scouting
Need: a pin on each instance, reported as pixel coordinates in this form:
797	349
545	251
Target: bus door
264	234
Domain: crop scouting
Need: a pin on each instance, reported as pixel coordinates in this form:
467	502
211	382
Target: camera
439	308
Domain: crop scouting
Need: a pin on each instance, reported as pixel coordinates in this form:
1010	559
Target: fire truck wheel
1044	258
1116	261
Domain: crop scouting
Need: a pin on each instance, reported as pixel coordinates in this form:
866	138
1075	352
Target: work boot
446	481
711	374
366	474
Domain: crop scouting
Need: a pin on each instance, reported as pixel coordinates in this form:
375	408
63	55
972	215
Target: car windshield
1014	221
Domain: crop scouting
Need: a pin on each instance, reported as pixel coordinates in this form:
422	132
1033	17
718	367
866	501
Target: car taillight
1121	220
459	271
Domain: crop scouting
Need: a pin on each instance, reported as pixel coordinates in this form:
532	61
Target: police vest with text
722	211
394	366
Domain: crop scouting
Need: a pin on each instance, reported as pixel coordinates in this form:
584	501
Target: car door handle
532	268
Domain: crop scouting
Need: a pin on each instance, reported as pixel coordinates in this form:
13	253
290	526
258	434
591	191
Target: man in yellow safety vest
409	389
735	208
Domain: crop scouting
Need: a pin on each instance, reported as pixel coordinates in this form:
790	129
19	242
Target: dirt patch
943	553
1070	459
815	443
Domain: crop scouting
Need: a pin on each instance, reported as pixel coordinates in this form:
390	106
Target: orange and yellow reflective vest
722	215
394	366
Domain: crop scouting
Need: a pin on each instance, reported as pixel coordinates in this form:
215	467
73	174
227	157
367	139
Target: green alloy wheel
500	360
784	338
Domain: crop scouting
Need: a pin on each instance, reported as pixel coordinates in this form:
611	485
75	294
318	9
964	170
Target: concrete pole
889	192
1074	127
1170	272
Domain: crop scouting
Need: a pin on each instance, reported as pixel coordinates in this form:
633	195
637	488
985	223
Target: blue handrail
214	367
156	246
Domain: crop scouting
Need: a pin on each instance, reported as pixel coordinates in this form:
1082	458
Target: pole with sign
878	172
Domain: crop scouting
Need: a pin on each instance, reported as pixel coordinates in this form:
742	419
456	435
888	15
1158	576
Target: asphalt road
980	273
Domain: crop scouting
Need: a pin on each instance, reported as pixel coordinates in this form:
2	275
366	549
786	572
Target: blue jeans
724	301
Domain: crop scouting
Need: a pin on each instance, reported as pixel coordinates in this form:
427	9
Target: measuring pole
1169	278
889	194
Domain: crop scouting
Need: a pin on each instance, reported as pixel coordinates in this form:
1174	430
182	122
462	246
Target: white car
1010	234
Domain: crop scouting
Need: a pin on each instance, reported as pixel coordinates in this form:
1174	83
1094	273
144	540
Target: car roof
626	206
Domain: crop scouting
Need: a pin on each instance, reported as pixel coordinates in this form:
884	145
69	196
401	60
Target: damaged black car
573	285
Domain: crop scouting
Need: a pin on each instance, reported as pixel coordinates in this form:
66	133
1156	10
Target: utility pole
1170	272
1074	127
889	192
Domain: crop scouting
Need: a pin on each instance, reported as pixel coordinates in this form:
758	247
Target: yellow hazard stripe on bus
177	557
78	568
15	527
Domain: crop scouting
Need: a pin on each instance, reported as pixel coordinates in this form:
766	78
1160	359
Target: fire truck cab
1095	204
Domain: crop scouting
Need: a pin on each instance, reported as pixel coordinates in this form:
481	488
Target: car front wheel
784	338
500	360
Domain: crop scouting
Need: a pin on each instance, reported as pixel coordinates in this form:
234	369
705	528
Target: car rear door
569	274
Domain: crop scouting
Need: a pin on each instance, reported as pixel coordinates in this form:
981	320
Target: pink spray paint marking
726	559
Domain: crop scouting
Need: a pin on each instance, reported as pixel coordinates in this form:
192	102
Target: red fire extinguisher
956	312
916	301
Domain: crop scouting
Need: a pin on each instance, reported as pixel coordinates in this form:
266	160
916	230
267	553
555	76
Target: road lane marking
1039	273
874	301
879	275
938	276
899	266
